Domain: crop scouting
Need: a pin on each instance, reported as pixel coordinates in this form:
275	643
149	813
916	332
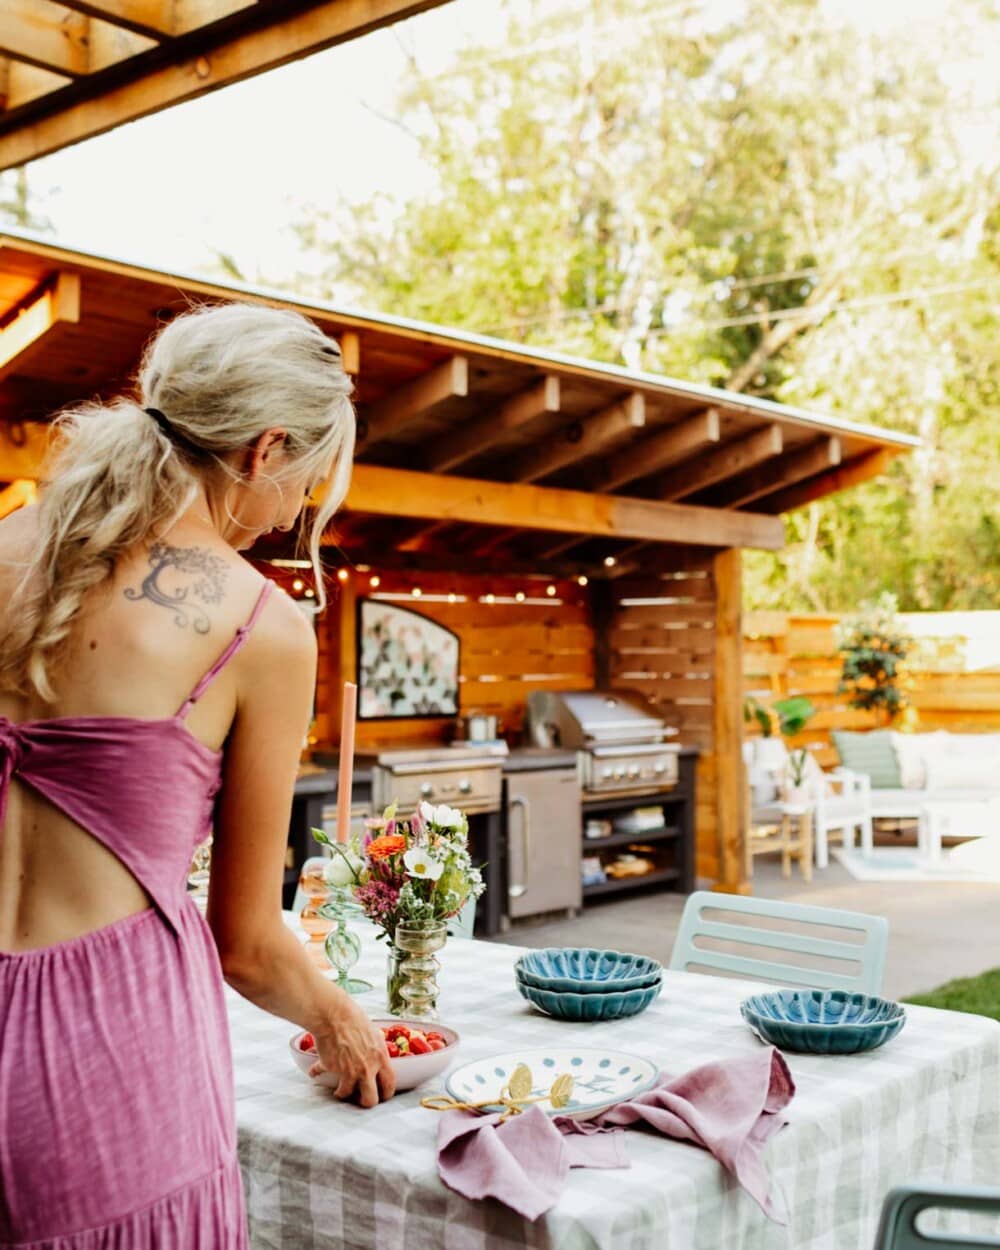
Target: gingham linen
321	1174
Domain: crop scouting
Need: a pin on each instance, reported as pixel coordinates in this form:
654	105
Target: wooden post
727	721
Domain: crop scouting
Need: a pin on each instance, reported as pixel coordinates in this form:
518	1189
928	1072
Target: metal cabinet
543	841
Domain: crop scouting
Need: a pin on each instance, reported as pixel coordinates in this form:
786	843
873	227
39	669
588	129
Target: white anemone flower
442	816
342	868
422	865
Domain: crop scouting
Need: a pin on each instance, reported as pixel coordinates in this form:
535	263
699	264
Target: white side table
947	818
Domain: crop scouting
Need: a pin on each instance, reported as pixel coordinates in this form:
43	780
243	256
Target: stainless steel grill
467	778
619	739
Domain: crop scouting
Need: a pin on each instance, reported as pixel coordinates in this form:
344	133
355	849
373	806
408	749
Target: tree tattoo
209	587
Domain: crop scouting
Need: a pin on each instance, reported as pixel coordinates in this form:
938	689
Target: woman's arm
260	957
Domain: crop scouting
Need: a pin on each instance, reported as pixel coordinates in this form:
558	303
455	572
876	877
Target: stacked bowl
823	1022
584	984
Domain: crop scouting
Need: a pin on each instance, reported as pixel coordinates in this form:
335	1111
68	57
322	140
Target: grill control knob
465	786
426	790
619	773
607	774
633	771
659	767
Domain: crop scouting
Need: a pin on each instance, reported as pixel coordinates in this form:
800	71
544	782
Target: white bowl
410	1070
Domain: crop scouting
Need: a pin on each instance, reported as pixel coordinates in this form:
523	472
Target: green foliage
768	198
793	715
978	995
874	649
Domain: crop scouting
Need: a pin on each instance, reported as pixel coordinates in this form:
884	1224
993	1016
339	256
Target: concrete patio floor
937	930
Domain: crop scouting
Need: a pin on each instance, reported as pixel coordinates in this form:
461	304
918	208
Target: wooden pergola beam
860	469
475	436
23	448
152	18
255	38
652	453
26	334
824	453
21	83
724	462
581	439
45	35
381	491
444	381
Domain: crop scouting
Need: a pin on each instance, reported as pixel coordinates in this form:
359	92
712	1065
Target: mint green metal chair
898	1230
856	967
464	924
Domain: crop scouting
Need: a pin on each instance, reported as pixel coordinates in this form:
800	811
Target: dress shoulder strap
240	637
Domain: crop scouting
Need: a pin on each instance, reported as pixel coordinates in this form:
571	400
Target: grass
978	995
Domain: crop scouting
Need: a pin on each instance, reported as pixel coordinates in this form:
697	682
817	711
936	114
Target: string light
298	584
490	598
453	598
610	562
343	574
375	582
520	596
310	593
550	591
582	580
416	592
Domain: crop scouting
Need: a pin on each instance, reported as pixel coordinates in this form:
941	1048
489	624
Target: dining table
320	1174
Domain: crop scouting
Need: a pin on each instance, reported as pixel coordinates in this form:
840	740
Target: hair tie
160	420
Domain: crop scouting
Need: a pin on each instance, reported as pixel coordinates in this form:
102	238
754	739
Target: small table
959	818
797	842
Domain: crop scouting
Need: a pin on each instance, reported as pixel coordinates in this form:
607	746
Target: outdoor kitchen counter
535	759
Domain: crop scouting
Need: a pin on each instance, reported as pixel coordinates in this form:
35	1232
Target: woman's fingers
368	1091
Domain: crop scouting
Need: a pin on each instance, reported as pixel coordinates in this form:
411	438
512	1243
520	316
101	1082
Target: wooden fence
953	676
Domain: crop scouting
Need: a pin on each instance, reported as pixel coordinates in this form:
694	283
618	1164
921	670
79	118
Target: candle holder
342	946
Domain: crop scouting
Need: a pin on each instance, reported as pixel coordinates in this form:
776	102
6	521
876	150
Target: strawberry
434	1037
307	1042
419	1045
393	1050
436	1043
397	1030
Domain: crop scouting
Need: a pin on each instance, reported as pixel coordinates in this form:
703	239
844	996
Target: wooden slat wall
508	648
788	654
666	650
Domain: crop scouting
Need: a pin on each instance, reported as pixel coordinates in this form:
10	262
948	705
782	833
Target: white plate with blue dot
601	1078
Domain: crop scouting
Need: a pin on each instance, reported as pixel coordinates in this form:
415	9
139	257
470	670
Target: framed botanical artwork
407	663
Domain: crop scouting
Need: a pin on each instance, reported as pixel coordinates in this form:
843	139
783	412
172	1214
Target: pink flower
379	899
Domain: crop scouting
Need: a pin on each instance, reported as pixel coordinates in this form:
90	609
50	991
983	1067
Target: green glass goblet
342	945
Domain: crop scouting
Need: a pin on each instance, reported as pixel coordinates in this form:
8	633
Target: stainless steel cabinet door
543	841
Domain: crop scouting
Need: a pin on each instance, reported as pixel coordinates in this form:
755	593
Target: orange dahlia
389	844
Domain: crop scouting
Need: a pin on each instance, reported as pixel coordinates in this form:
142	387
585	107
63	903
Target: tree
874	650
779	203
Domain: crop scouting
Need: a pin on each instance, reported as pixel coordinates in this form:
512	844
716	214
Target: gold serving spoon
513	1097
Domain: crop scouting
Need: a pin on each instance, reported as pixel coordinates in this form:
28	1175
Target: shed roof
514	436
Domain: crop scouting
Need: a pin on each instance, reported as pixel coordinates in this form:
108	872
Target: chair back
464	924
854	966
897	1229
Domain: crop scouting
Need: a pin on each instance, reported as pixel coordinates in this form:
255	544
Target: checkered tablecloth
321	1174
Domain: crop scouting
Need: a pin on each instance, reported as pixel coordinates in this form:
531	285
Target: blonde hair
221	374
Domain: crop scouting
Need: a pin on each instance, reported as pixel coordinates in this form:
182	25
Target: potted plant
874	650
788	717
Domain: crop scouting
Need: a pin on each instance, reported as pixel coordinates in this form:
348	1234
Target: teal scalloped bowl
823	1022
590	1008
586	970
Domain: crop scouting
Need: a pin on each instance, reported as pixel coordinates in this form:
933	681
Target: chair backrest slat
869	956
898	1230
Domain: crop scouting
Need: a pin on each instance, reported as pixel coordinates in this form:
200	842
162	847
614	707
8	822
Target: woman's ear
261	452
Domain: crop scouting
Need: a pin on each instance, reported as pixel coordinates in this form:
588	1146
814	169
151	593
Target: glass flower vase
394	981
416	944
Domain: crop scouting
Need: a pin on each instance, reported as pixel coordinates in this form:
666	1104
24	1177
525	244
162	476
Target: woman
152	687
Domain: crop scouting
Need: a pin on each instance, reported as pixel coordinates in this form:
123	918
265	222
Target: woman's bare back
137	649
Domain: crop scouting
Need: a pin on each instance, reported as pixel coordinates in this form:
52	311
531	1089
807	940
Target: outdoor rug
977	860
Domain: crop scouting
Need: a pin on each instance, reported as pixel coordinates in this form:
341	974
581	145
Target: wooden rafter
26	333
225	42
59	40
402	492
664	447
350	352
806	462
476	436
380	419
724	462
23	448
860	469
581	439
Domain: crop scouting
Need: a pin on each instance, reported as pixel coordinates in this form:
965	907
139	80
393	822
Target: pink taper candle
346	776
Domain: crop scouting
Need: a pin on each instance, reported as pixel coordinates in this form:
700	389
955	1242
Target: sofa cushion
959	772
869	753
912	753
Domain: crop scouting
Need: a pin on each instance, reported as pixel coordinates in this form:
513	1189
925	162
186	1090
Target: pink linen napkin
729	1108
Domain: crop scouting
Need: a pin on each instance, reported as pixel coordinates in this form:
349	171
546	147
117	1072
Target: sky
228	172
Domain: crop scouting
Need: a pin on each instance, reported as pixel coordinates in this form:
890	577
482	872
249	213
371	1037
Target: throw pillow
913	752
869	753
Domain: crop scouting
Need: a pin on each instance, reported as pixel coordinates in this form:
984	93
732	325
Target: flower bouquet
409	877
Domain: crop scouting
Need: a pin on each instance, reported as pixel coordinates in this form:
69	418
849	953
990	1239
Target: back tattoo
209	587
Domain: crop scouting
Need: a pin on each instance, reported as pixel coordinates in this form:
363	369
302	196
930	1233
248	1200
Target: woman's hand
355	1049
